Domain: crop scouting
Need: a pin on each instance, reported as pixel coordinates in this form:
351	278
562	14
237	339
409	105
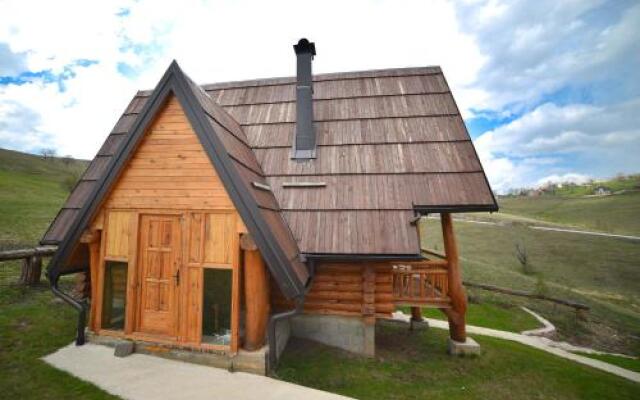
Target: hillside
32	190
617	214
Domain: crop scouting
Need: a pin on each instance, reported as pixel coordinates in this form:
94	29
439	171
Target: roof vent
304	145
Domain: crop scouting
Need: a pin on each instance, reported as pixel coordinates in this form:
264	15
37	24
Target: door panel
158	274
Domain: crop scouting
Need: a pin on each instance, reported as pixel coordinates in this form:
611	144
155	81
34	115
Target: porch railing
423	284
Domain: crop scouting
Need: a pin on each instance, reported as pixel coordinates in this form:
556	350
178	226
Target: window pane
115	295
216	312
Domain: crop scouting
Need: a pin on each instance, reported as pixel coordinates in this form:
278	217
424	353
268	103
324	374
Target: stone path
560	349
142	377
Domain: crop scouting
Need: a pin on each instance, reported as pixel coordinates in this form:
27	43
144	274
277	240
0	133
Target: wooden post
456	315
416	314
256	294
82	285
31	270
92	239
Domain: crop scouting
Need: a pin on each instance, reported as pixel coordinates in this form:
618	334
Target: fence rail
31	263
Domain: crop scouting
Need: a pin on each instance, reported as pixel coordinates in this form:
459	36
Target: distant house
601	191
217	220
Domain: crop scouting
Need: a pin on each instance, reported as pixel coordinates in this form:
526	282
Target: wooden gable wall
170	173
170	169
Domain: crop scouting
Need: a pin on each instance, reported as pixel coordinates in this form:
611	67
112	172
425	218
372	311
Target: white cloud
536	48
596	140
213	41
578	179
500	58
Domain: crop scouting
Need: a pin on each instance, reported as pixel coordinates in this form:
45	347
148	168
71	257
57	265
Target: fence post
31	270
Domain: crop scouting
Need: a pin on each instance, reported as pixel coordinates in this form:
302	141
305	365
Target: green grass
617	214
31	192
32	325
601	272
414	365
632	364
495	315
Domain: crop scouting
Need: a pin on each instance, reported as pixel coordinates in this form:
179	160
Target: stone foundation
353	334
468	348
254	362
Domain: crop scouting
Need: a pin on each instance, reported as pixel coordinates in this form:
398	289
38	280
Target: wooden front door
159	262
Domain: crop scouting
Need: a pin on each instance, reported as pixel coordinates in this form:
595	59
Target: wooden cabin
225	218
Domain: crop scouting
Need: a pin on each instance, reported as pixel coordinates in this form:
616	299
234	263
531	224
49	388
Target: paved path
541	343
142	377
611	235
548	228
547	327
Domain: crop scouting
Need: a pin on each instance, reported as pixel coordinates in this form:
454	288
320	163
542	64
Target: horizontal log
332	312
384	297
569	303
333	306
322	295
339	269
385	308
41	251
338	278
336	286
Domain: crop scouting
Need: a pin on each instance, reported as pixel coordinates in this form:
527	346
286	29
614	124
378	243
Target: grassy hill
32	189
576	206
618	214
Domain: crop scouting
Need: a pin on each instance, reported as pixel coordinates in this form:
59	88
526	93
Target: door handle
177	277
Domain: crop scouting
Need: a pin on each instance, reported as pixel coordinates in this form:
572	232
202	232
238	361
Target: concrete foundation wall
283	331
348	333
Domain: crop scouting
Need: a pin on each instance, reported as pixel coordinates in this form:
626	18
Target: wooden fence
31	269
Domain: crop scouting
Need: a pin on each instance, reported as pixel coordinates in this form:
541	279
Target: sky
549	90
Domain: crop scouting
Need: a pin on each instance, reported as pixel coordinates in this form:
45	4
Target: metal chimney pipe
304	145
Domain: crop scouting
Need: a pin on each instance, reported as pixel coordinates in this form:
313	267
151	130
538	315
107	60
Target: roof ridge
329	76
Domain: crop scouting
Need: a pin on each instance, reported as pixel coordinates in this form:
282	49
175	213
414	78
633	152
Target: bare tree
523	258
48	153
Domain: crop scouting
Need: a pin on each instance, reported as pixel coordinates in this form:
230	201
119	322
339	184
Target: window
114	301
216	311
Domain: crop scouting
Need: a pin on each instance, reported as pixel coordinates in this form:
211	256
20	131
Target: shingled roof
390	143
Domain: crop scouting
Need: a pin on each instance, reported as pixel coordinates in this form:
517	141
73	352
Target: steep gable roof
234	161
390	143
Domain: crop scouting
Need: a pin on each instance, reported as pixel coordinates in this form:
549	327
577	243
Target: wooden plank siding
170	174
170	170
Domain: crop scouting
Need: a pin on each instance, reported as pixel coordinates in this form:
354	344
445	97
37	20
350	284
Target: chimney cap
305	46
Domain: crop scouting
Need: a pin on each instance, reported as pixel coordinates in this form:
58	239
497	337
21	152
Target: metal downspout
271	335
82	312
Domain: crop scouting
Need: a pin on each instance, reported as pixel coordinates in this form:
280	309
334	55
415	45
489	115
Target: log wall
350	289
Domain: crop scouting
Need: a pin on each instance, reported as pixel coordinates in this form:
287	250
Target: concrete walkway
592	233
141	377
558	348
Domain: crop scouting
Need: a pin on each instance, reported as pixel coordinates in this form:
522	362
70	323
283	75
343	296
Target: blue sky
549	90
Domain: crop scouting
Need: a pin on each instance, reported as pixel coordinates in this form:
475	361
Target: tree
48	153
